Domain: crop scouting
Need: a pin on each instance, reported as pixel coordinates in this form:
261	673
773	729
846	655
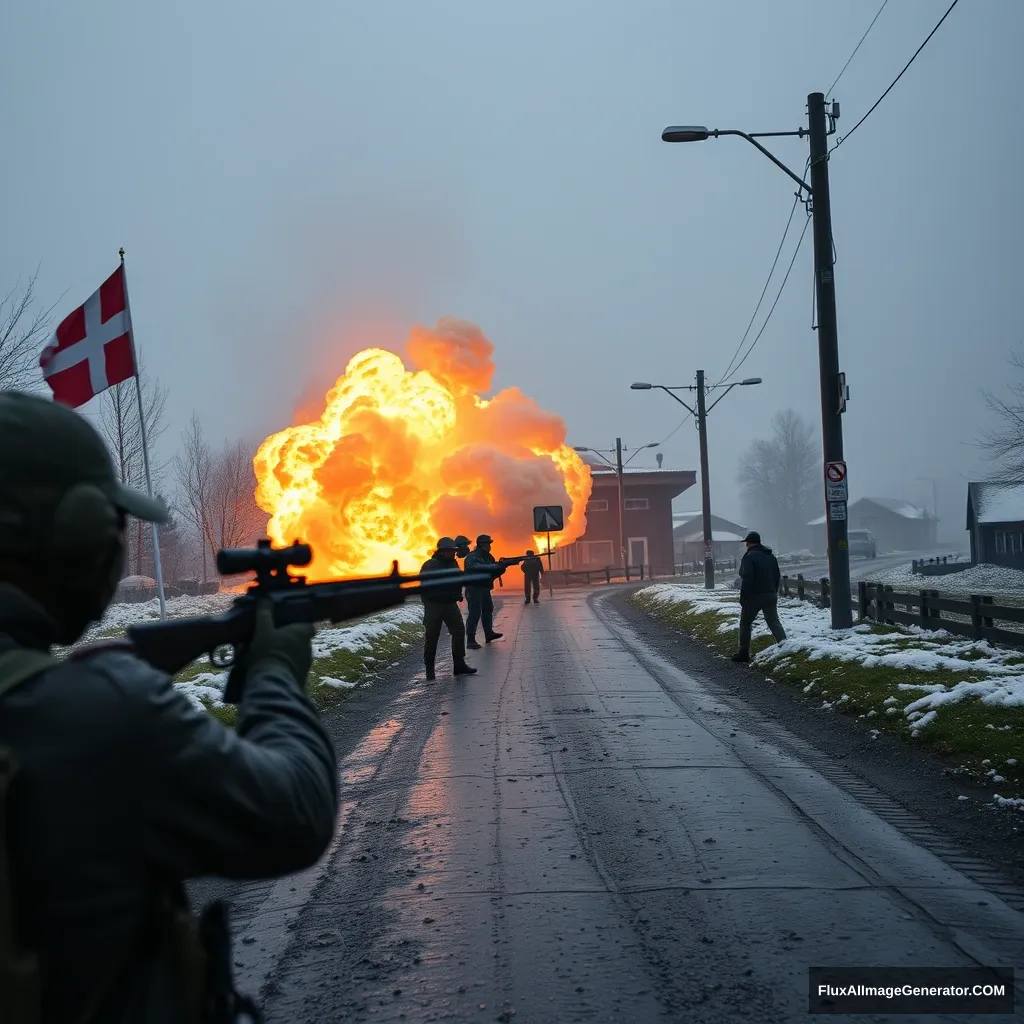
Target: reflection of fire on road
399	457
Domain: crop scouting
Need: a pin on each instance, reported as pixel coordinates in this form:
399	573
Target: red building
647	521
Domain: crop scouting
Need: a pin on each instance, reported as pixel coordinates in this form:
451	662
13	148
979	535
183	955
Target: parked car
862	542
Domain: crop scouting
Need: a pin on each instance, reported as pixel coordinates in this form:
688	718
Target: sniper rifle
171	644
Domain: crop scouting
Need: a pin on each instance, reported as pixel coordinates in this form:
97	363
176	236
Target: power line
782	288
856	48
764	291
843	138
689	416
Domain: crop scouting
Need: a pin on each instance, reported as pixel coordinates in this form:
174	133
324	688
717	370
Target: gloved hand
290	646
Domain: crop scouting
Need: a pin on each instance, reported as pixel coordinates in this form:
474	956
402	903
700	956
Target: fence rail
631	573
977	617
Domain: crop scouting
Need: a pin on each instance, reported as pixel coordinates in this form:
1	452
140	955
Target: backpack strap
19	970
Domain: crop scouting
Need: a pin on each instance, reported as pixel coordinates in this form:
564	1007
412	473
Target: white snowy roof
998	502
899	507
718	536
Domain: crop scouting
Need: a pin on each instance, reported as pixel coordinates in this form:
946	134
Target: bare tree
121	427
194	467
779	479
1005	442
24	328
235	517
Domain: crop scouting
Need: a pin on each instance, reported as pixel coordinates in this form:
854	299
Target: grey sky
289	179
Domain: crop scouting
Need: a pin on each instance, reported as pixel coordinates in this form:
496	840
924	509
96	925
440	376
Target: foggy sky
293	181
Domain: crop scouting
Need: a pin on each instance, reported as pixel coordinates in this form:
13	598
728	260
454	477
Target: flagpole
145	444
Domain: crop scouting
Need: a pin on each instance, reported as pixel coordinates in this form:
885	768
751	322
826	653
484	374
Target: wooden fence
977	617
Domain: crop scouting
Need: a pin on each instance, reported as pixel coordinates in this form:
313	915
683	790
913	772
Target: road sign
836	488
837	510
548	519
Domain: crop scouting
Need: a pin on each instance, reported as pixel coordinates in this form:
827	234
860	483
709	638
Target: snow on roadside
809	631
207	688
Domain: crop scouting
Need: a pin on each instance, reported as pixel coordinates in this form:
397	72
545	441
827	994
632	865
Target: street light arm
607	462
778	163
669	391
720	397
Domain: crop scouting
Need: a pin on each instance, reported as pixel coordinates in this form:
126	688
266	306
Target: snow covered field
969	669
204	685
976	579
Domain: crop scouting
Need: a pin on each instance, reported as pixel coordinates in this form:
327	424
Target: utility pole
622	504
705	483
833	386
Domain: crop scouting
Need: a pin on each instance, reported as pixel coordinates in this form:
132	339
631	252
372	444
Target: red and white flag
91	350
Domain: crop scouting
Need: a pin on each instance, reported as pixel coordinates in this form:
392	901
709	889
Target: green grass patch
975	739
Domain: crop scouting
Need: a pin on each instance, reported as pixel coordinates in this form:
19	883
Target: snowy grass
976	579
963	699
344	656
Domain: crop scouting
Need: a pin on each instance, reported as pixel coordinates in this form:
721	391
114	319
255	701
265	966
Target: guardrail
977	617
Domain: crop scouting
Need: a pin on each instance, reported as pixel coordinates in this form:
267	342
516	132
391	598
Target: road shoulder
912	778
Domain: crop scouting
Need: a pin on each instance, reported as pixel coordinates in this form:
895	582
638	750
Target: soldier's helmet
483	539
447	544
530	551
462	541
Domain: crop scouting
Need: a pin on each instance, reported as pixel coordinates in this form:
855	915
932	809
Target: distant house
995	521
726	537
647	521
896	524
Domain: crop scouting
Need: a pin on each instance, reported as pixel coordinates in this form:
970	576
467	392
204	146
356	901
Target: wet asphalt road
583	832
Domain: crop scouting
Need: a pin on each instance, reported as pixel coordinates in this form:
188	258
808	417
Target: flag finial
120	252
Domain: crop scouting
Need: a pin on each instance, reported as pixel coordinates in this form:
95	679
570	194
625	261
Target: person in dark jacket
123	789
759	592
443	610
533	569
478	599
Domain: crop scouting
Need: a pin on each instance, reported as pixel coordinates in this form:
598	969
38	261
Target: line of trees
209	489
779	481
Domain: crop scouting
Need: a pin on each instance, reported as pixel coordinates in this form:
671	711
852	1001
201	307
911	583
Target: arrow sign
548	519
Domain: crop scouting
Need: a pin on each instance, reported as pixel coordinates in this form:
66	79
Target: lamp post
700	414
617	465
832	383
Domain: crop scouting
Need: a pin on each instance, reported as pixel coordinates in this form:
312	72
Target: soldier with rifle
442	609
533	569
114	789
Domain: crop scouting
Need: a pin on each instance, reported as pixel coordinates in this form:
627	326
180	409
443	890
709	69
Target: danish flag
92	348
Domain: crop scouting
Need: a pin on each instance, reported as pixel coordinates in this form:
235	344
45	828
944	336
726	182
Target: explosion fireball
400	457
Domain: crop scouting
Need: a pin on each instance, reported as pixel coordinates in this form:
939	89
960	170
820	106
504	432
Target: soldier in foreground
115	788
479	600
444	610
533	569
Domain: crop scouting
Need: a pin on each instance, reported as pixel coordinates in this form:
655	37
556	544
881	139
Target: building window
1009	543
601	505
637	504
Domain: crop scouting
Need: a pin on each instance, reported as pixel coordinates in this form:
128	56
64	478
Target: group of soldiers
443	609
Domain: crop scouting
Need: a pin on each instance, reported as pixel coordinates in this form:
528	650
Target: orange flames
400	457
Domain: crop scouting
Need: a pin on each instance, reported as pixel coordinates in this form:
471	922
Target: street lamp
617	466
832	383
700	414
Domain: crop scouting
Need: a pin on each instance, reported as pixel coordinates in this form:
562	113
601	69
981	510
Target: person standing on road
478	599
533	569
114	789
443	610
759	592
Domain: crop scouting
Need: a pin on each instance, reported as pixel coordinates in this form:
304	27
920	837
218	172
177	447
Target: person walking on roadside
442	609
479	602
760	578
533	569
